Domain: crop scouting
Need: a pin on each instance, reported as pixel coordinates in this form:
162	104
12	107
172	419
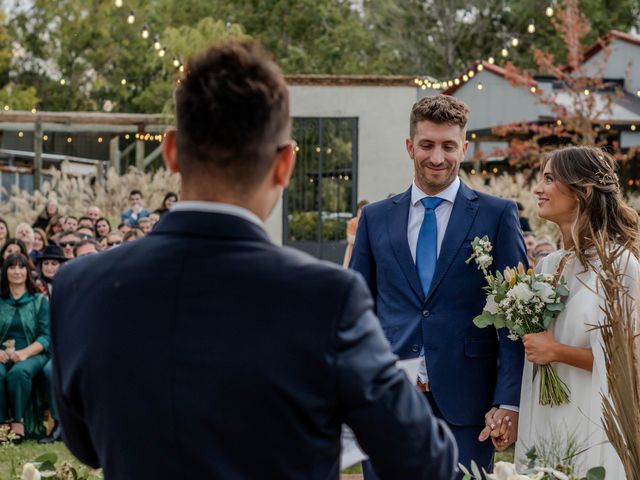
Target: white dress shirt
217	207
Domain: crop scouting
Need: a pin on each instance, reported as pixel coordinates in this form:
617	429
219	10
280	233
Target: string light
495	169
100	139
607	126
297	148
127	136
162	52
156	42
633	128
638	93
532	27
181	68
479	87
63	81
457	81
450	83
123	81
21	134
131	18
587	92
559	122
492	60
423	87
473	171
45	137
515	42
416	81
533	89
7	108
474	136
176	62
34	111
480	67
317	149
119	3
465	77
145	31
471	73
504	52
69	139
549	12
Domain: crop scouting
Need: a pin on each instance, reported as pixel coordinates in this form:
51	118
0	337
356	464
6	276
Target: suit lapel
397	222
464	212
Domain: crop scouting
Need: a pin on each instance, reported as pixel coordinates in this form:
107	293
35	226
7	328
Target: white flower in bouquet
484	261
544	292
504	471
491	306
521	292
30	472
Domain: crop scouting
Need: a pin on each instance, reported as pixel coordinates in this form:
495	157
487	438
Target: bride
579	191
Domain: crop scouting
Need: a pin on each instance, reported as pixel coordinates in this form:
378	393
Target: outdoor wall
498	103
623	62
383	124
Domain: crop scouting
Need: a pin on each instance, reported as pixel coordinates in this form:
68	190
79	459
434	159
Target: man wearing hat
49	262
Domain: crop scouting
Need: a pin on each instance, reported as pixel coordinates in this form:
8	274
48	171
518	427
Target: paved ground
350	476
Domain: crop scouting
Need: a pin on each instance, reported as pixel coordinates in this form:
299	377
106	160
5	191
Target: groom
412	248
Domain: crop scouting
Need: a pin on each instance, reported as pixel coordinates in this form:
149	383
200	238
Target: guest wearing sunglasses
68	240
114	239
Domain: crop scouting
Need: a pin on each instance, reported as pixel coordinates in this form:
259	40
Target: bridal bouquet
523	302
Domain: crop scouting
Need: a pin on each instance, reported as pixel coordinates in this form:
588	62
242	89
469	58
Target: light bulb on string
176	62
457	81
156	42
531	28
162	52
119	3
145	32
123	82
504	52
491	60
549	11
515	42
480	67
471	73
465	78
533	89
181	68
587	92
480	86
131	18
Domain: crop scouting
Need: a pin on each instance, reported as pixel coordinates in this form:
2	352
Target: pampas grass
75	194
621	408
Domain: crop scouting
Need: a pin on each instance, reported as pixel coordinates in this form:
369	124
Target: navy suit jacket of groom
470	369
241	361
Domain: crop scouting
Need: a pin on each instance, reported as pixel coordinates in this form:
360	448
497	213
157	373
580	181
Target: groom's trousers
469	447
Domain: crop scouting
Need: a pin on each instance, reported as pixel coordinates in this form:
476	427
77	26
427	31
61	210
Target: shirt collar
449	194
217	207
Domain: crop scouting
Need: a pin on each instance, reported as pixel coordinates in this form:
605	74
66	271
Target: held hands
4	357
540	347
19	356
501	427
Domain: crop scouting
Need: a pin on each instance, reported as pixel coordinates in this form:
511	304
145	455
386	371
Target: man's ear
283	165
409	145
169	150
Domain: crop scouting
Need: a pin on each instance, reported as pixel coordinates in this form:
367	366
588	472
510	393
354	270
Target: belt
423	387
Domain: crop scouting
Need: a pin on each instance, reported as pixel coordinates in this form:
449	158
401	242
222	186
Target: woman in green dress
24	342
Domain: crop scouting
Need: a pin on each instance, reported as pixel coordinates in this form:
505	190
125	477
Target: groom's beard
432	182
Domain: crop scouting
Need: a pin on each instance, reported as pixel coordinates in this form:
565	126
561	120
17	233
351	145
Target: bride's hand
540	347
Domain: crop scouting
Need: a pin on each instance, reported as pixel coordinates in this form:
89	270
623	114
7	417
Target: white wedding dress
581	417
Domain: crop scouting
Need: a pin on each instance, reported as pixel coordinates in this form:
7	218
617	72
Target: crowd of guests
30	260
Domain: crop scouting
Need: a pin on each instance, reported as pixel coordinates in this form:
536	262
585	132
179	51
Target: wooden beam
140	154
37	154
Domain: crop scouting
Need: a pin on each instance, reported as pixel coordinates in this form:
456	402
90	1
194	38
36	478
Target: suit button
425	313
415	348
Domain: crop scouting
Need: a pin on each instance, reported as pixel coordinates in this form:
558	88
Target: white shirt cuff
510	407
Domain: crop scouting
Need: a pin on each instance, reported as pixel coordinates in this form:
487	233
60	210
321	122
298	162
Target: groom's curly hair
439	109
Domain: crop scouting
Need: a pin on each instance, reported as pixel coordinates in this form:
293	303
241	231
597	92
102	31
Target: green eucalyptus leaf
596	473
47	457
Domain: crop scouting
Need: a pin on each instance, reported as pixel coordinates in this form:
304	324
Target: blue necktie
427	247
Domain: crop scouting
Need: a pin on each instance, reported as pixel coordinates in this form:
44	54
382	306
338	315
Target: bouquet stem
553	391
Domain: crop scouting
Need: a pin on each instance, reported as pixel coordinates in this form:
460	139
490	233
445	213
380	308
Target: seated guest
169	199
50	261
144	224
103	227
4	232
24	323
133	234
85	232
68	240
85	222
136	211
543	247
55	227
530	242
49	211
86	247
94	213
24	232
70	223
114	239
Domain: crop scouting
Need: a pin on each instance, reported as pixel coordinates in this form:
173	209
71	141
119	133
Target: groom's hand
502	426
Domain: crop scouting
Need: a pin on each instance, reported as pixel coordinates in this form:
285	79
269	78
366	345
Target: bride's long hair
590	173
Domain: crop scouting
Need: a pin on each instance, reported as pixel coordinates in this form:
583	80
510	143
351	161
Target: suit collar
210	224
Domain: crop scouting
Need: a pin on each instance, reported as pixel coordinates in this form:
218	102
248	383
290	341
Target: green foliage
303	226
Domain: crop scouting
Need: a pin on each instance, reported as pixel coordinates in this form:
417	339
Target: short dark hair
22	261
232	112
87	241
135	192
438	109
71	216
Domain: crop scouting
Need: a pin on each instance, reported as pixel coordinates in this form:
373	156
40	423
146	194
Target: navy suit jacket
241	361
470	369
